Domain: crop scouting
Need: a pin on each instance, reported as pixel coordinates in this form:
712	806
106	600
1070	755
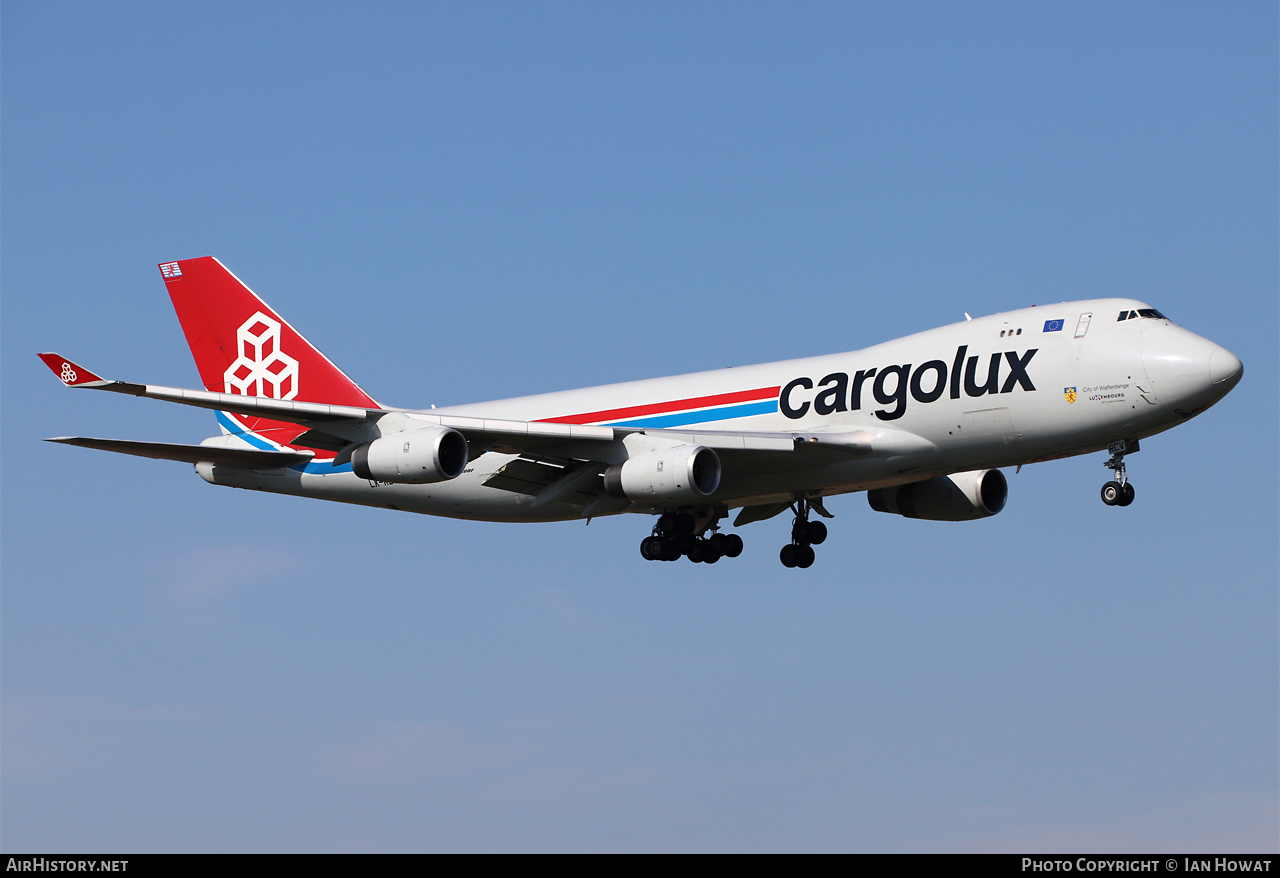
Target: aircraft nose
1190	369
1225	368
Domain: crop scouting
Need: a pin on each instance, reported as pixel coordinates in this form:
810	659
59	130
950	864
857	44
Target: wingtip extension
69	373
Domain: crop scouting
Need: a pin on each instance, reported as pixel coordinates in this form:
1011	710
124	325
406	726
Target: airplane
922	424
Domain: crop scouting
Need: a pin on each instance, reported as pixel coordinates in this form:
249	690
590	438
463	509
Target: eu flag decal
1053	326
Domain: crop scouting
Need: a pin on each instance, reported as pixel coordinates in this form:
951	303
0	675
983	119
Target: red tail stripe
658	408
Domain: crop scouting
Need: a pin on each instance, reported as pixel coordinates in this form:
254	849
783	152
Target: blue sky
473	201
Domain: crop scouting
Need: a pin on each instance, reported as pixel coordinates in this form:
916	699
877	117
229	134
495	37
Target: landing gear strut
805	534
1120	491
678	533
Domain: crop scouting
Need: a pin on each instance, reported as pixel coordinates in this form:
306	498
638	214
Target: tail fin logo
262	369
170	269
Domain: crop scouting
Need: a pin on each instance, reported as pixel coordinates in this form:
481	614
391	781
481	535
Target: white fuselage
995	391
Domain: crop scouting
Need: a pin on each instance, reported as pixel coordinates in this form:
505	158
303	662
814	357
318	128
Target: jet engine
415	457
957	497
685	473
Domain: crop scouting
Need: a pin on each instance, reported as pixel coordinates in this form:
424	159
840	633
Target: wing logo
68	375
262	369
170	269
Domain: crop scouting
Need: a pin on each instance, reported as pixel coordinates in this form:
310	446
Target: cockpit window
1141	312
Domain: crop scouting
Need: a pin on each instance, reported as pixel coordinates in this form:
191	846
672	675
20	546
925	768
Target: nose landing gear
805	534
1120	491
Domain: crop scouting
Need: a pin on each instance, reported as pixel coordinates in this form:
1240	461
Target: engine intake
684	473
957	497
416	457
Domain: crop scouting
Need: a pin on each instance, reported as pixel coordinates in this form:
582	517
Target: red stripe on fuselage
659	408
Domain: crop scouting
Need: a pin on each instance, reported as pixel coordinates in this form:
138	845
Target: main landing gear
677	534
1119	492
805	534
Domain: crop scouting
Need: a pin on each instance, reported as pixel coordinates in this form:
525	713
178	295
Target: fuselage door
989	424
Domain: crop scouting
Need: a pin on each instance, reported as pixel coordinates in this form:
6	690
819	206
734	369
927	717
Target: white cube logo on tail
262	369
68	375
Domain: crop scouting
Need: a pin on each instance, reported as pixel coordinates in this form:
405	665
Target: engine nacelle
957	497
415	457
686	473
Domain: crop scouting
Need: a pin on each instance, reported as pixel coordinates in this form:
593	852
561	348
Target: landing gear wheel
1126	494
733	545
651	548
805	558
788	555
688	542
1112	493
816	533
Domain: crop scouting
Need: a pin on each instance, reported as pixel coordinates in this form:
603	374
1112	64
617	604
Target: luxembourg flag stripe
769	407
315	467
229	423
759	396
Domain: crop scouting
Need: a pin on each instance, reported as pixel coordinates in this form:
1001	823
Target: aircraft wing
325	418
74	375
335	427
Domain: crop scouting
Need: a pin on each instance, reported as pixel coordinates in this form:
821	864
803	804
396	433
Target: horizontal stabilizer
190	453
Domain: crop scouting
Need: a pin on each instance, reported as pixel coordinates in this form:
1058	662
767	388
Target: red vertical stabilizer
241	345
